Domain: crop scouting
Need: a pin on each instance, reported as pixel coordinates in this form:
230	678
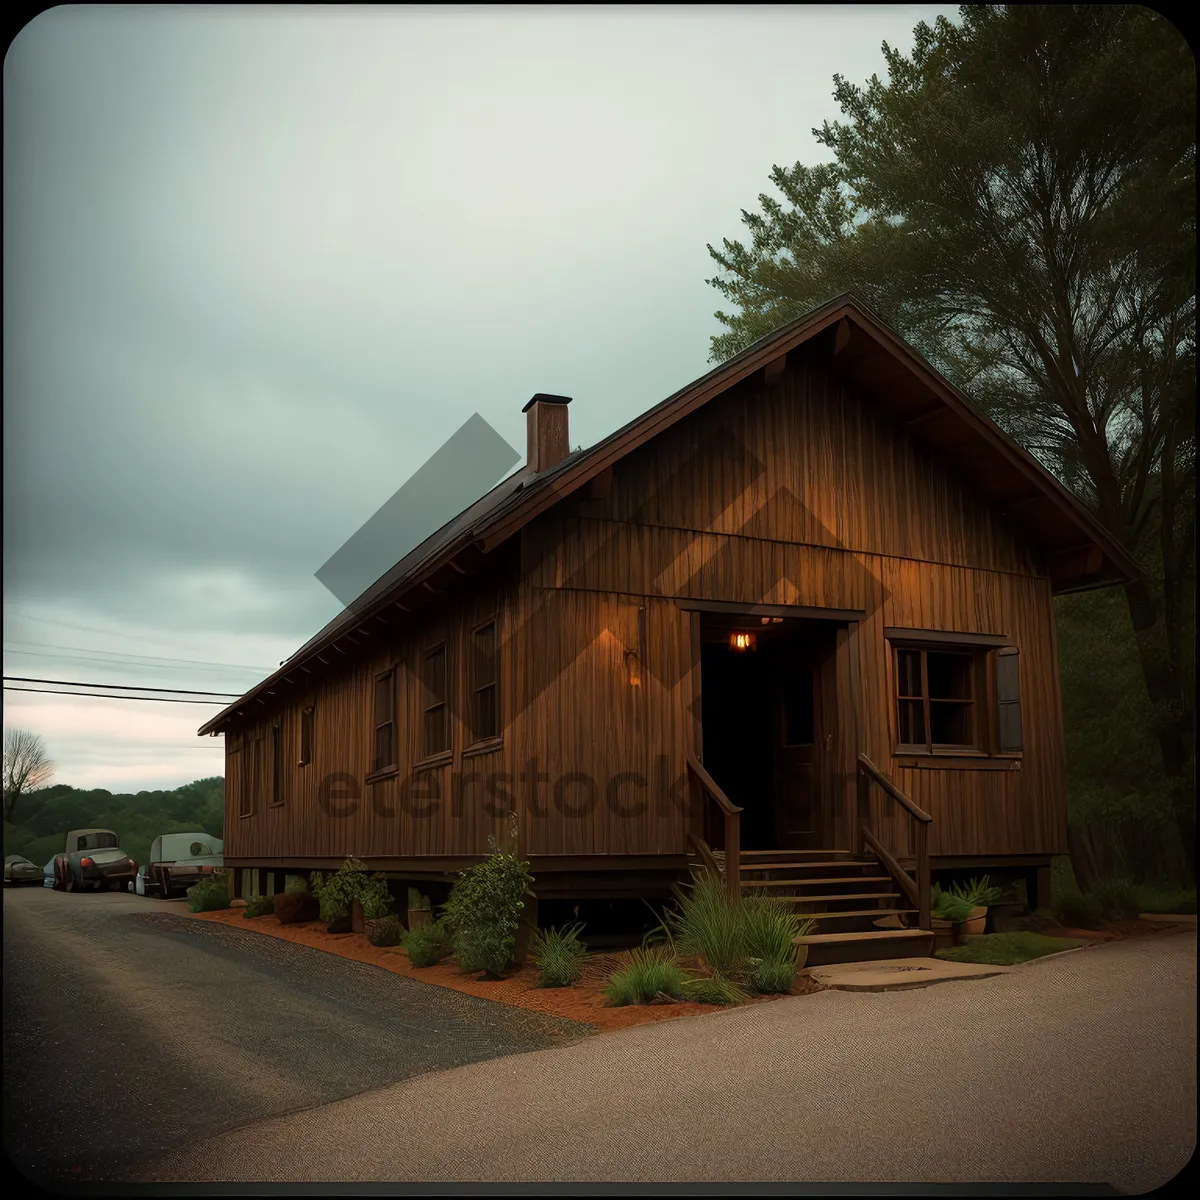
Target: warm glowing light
740	640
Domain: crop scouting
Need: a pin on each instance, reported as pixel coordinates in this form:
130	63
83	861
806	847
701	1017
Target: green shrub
337	890
558	955
426	945
260	906
385	931
1166	900
1115	899
483	911
1006	949
295	883
713	989
209	895
1074	909
416	900
650	970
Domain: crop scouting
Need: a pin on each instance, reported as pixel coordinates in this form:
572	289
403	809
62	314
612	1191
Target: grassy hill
44	817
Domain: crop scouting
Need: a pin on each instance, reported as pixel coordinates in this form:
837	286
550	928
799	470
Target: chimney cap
546	398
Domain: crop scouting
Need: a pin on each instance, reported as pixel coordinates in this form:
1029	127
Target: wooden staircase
845	895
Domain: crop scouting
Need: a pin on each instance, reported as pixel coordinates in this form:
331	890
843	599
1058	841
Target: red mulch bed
584	1002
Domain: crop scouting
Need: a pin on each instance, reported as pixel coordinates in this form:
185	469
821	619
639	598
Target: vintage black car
93	860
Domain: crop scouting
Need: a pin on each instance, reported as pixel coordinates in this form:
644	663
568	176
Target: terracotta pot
418	917
975	924
943	933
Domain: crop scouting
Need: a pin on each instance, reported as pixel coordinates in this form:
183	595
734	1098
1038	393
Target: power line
127	687
114	655
86	628
94	696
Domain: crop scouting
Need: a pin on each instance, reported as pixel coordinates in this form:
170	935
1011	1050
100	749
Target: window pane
485	655
912	722
435	730
950	724
949	676
798	727
383	698
484	723
383	747
908	673
435	676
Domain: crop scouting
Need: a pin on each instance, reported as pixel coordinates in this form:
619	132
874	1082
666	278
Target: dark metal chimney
547	441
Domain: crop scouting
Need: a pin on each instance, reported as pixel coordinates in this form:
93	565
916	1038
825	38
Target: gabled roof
863	350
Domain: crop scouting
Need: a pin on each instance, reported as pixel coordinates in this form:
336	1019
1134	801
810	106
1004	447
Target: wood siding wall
801	494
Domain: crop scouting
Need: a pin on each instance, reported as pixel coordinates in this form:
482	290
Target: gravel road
131	1031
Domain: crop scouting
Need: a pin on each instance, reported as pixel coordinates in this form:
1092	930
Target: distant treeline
48	814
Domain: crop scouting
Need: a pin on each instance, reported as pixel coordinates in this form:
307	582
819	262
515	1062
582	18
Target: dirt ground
1110	931
583	1002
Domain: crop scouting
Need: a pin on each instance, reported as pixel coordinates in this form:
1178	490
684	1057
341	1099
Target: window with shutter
1008	700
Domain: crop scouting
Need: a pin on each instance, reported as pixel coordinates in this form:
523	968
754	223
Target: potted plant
949	911
977	895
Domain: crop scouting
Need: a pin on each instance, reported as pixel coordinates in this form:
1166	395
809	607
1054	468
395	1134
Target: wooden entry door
801	802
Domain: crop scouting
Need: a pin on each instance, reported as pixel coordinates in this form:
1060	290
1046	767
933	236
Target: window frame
496	736
981	732
307	734
250	773
392	766
277	799
446	747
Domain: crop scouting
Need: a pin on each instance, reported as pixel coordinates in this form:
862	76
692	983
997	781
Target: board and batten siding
801	493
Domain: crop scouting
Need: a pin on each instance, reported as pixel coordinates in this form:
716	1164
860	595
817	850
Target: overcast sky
260	263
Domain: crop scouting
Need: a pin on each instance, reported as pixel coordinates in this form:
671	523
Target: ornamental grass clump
713	989
770	931
706	923
650	971
558	955
260	906
426	945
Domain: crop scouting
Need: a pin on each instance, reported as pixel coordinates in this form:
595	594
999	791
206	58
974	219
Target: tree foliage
1017	199
48	814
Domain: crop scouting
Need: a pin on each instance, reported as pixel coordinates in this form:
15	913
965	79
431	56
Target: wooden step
778	883
826	948
844	896
788	853
758	883
855	913
808	866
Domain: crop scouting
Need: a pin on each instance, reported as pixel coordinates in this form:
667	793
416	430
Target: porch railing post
863	807
733	854
924	882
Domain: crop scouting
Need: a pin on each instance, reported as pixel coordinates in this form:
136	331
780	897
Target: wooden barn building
795	622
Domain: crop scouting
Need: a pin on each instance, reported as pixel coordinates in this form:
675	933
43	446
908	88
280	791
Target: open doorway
769	725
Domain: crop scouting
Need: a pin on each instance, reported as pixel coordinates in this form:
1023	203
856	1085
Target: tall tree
1017	199
26	767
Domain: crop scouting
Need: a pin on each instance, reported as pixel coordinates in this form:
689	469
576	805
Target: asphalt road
131	1031
1079	1068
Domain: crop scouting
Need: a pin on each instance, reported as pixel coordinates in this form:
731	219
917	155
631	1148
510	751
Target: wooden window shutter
1008	699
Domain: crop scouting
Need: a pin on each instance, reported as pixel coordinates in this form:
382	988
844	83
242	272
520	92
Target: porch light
741	641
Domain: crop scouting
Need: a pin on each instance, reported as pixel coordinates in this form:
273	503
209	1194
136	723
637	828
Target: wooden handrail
733	825
877	776
918	891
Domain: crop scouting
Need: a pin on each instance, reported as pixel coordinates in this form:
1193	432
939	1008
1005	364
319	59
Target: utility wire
113	655
96	696
127	687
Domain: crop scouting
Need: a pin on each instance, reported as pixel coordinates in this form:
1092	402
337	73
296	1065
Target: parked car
178	860
48	873
18	869
93	860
